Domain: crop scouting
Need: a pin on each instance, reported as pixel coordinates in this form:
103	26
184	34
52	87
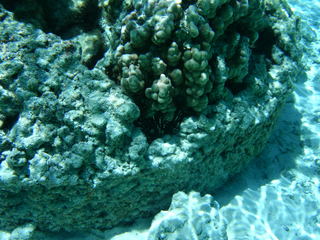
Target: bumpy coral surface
177	57
102	121
189	217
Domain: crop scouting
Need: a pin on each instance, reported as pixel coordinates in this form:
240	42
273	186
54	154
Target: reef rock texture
102	121
175	58
189	217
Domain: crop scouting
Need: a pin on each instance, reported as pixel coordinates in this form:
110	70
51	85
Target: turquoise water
278	195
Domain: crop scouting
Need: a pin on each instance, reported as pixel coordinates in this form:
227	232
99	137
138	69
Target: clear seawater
278	196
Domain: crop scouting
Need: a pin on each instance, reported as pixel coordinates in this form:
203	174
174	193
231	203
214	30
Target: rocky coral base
72	154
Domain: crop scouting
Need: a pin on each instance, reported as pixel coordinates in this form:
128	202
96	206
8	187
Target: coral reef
180	56
155	97
189	217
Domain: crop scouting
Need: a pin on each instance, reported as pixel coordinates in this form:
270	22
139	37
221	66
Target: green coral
175	56
161	93
91	45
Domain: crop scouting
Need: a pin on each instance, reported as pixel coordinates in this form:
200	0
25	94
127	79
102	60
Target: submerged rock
183	96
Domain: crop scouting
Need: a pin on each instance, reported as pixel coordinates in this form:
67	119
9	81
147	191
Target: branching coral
183	55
